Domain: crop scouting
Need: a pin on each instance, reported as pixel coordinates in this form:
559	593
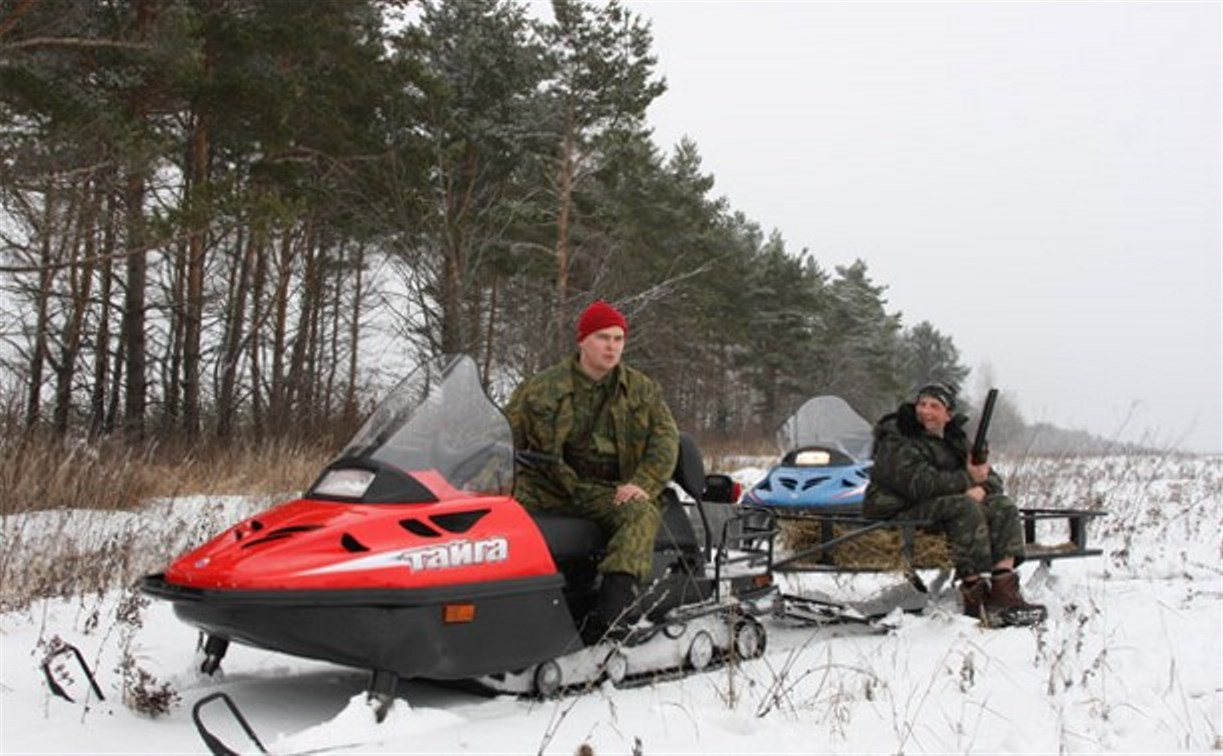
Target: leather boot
972	597
1006	604
613	610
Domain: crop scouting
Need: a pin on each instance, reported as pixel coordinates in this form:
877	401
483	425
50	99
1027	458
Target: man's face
600	351
932	414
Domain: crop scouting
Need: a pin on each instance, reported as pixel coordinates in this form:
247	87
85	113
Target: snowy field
1130	659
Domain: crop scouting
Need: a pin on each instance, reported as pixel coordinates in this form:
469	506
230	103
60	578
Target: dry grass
78	519
39	473
723	454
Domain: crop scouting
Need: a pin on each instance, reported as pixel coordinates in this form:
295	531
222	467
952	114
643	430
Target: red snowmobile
409	557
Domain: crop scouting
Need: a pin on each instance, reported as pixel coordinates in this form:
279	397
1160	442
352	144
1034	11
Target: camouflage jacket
541	415
912	465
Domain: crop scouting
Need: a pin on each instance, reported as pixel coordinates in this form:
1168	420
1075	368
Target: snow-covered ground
1130	660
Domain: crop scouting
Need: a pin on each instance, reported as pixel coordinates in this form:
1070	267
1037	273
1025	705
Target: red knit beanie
598	316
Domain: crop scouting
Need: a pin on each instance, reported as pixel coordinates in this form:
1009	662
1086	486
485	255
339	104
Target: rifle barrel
980	446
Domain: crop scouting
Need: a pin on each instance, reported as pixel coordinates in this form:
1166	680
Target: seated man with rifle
924	470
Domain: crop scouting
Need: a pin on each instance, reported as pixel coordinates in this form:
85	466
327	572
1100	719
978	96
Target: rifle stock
980	446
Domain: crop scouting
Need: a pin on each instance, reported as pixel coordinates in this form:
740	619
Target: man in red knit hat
616	445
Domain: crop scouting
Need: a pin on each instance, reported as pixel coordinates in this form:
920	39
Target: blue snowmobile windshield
439	419
827	421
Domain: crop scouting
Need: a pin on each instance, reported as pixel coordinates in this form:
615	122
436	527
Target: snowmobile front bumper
450	633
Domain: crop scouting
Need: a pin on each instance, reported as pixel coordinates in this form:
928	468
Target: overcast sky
1039	180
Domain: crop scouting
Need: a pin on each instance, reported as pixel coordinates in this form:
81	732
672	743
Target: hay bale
876	550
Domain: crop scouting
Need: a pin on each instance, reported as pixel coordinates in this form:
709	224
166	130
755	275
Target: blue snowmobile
826	462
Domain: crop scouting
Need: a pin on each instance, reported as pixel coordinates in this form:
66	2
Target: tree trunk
197	217
354	337
297	382
333	357
42	296
454	242
259	278
133	310
80	288
111	422
134	342
172	366
280	306
564	182
194	311
231	347
486	373
452	300
101	349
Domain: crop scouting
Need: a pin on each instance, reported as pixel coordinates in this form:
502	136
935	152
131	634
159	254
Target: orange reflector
456	613
760	581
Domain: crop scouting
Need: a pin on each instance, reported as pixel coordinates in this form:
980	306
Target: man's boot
972	597
613	610
1006	604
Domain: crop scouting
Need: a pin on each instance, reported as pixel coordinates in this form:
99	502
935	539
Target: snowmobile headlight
812	458
346	482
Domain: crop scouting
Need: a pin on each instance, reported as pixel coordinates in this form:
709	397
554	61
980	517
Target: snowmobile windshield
439	419
827	421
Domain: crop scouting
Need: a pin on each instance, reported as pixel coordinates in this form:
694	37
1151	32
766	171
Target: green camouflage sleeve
514	413
993	484
661	448
901	467
533	431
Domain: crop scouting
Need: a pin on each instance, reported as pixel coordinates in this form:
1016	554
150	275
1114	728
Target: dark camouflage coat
923	477
912	466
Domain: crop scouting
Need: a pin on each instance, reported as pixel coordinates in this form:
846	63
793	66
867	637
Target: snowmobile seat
676	530
689	472
569	537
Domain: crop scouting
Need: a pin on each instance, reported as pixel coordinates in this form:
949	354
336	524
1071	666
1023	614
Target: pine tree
859	352
927	356
484	69
600	83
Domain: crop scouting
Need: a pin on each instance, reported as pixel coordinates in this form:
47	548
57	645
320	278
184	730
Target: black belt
605	471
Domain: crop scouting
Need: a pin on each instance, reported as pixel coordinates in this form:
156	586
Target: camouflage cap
940	393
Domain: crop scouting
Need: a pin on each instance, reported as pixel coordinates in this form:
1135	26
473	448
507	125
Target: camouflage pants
631	527
981	535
